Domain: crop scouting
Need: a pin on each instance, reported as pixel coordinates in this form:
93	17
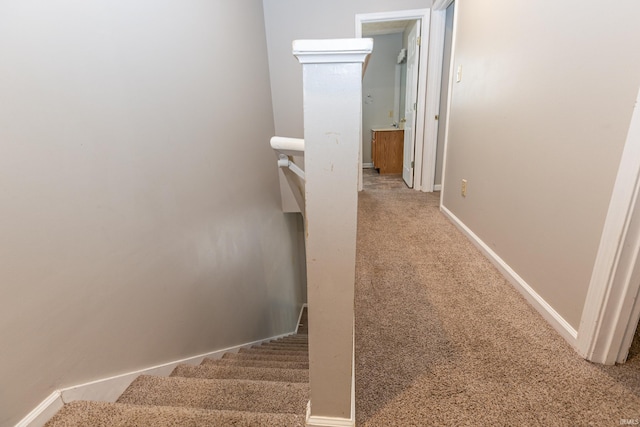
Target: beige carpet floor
442	339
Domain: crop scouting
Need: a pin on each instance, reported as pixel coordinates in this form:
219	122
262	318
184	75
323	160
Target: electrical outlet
463	189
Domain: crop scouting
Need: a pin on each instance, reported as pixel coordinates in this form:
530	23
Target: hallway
442	339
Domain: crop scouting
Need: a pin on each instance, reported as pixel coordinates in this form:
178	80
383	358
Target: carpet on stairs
266	385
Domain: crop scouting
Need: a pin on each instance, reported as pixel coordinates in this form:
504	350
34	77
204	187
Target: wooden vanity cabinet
387	150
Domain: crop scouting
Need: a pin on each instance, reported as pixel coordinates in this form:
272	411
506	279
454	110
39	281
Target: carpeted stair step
257	363
283	346
103	414
231	395
289	340
242	372
283	352
286	345
272	357
295	339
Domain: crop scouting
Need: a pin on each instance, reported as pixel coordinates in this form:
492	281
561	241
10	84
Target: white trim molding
43	412
353	374
109	389
611	309
441	4
332	51
449	95
316	421
432	108
397	15
548	313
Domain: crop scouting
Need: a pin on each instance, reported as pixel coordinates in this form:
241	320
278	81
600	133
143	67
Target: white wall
379	88
537	127
141	218
288	20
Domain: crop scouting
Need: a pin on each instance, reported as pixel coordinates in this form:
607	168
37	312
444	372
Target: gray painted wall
141	219
378	88
537	127
288	20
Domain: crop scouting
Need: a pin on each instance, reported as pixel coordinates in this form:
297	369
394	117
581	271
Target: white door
413	54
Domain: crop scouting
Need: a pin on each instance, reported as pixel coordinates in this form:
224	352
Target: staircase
265	385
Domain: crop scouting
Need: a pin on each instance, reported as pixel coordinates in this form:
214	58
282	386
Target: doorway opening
390	90
393	92
420	107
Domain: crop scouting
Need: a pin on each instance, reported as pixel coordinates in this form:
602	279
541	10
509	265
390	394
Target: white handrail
288	146
293	176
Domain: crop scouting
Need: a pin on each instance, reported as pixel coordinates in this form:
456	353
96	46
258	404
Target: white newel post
332	78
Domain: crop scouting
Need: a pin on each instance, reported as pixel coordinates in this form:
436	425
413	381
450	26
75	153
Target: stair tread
300	337
242	372
282	345
258	356
104	414
290	340
283	352
257	363
286	344
222	394
299	350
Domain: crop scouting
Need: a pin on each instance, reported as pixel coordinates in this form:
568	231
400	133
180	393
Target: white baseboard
548	313
109	389
367	166
43	412
437	187
315	421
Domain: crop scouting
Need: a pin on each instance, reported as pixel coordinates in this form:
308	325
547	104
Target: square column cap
332	50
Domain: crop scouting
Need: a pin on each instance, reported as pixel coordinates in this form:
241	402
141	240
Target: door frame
434	84
612	309
414	31
421	130
440	12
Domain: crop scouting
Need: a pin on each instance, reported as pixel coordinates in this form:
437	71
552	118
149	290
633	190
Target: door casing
406	15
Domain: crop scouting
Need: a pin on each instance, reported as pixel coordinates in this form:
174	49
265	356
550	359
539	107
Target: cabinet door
394	152
388	151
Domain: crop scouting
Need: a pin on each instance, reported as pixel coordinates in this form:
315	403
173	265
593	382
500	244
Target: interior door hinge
413	164
419	41
415	106
437	117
